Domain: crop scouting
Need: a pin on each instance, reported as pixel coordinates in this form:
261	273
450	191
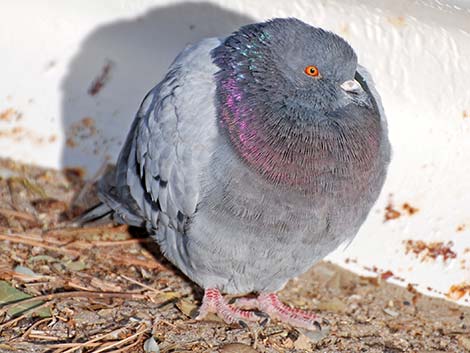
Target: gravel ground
106	288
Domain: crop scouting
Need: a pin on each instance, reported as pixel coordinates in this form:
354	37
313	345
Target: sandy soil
107	289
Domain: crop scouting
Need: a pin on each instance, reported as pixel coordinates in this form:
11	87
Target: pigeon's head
287	66
287	98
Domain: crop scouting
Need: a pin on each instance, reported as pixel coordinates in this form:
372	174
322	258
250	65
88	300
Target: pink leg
271	305
214	302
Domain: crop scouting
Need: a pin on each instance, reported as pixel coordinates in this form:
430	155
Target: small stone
315	336
26	271
391	312
151	346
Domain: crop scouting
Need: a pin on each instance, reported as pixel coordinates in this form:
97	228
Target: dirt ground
106	288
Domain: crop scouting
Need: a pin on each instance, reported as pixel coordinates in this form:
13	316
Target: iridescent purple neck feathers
286	129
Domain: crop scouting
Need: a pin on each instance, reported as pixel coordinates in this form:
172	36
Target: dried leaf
187	308
7	347
33	187
334	305
236	348
45	258
9	294
465	342
76	265
162	297
169	295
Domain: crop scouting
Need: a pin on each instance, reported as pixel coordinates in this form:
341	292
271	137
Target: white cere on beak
351	86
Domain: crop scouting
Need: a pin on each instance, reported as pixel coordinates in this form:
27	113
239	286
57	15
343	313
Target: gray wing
156	179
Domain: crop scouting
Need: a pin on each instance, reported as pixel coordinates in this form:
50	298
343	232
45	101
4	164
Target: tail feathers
97	212
104	213
117	204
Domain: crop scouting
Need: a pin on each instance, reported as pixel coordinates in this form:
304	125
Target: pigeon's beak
350	86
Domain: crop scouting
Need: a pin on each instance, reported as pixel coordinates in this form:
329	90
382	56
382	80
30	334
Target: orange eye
312	70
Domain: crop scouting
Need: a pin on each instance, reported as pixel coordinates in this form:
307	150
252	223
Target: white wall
418	52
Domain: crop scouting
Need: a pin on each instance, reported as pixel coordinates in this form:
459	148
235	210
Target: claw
265	321
270	304
243	324
214	302
194	314
261	314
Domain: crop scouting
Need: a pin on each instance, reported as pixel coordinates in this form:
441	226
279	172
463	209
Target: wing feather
157	173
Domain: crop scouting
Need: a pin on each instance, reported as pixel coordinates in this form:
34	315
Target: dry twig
18	214
141	284
33	326
21	240
70	231
94	340
75	294
128	260
127	339
85	244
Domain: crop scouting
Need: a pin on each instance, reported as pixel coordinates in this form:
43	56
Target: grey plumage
246	170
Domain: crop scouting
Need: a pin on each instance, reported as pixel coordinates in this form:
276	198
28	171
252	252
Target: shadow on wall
117	64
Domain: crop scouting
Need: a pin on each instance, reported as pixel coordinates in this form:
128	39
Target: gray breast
250	235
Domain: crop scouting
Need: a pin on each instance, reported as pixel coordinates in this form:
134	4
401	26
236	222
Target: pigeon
256	156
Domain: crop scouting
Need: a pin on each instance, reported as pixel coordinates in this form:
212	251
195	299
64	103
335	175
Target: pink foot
271	305
214	302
